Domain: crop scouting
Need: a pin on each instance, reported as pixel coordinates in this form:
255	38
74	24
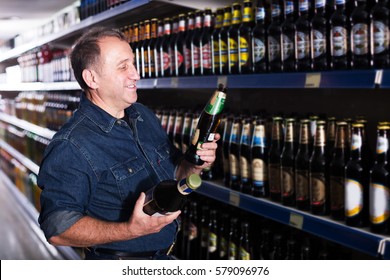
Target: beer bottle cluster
212	230
93	7
264	36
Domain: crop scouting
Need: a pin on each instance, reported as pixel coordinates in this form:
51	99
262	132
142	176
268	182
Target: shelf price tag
296	220
174	82
234	199
313	80
378	78
222	80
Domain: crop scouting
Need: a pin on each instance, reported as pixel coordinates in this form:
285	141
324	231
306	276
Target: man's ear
90	78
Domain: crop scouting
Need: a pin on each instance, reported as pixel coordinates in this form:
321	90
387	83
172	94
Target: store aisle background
20	235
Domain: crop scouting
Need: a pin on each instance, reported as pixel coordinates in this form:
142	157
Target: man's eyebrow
123	61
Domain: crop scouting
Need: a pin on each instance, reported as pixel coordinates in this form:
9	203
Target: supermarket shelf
358	239
57	86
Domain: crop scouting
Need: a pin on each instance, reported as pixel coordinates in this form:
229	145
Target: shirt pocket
166	159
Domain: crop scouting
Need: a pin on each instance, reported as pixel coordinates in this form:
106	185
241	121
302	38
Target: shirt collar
101	118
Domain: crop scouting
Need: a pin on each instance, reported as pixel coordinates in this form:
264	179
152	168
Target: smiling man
98	166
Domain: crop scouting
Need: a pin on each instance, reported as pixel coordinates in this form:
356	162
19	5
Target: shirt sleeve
66	179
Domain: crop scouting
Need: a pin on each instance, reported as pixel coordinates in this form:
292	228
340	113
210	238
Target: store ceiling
17	16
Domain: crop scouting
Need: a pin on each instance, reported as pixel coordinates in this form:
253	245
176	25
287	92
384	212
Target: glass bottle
195	44
303	37
245	246
216	60
179	54
223	41
339	37
204	233
275	38
187	44
233	40
144	50
244	39
206	44
233	243
379	27
234	154
274	161
288	38
287	165
213	236
158	46
226	148
150	49
319	38
259	41
164	50
245	156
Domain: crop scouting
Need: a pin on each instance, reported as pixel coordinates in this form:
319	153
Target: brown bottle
274	162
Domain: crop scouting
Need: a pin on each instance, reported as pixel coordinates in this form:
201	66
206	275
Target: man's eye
123	67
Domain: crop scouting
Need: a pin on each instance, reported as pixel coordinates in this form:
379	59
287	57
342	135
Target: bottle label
273	48
379	203
234	166
320	3
360	39
339	40
244	254
213	240
206	56
232	251
187	58
337	193
274	178
318	43
303	45
288	47
380	37
248	14
289	7
244	51
382	145
233	52
353	197
216	54
258	50
244	169
192	232
302	185
287	181
260	13
183	187
166	61
275	10
356	142
216	104
223	248
318	190
223	53
303	5
245	138
196	57
179	59
259	172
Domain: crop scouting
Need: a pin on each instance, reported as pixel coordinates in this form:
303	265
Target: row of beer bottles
232	42
212	230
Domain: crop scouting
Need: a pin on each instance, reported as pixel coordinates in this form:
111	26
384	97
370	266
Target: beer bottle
244	39
182	236
292	249
177	129
186	132
216	60
245	156
207	125
288	38
223	237
204	233
319	38
164	50
206	66
259	43
274	161
287	165
172	43
150	49
144	50
313	129
138	55
303	37
233	243
193	233
357	174
330	138
170	195
278	252
360	52
337	173
233	40
134	38
171	124
275	39
259	160
245	246
379	25
226	147
223	40
265	247
339	37
196	44
380	184
302	161
319	193
179	47
213	236
234	154
188	42
157	48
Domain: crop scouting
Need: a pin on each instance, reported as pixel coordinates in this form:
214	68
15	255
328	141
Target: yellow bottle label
248	14
244	51
223	52
233	47
379	203
244	254
353	197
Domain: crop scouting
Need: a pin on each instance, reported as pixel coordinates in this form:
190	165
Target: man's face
117	75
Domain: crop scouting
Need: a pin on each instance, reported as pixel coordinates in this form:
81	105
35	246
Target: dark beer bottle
171	124
288	38
259	160
330	138
303	37
275	39
227	126
337	173
319	193
157	48
357	174
287	165
265	247
278	251
259	41
274	161
150	49
213	236
360	37
223	40
379	25
233	242
206	44
245	156
204	233
319	38
179	69
339	37
193	232
207	125
234	154
177	129
233	40
244	39
380	184
216	60
187	43
186	132
170	195
245	246
164	50
302	162
144	50
223	236
196	44
138	53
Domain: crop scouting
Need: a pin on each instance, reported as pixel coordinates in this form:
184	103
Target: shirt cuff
58	222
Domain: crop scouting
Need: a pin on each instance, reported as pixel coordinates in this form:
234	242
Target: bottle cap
194	181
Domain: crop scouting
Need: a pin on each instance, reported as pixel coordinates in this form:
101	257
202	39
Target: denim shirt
97	166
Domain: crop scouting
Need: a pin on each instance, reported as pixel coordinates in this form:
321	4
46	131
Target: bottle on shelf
172	44
206	44
170	195
234	154
144	51
138	51
151	47
339	38
178	50
245	245
223	237
288	38
233	40
216	55
302	26
287	159
165	58
259	41
265	246
245	156
208	124
319	37
274	160
187	44
213	236
233	242
275	38
157	48
223	40
204	232
379	32
196	44
244	39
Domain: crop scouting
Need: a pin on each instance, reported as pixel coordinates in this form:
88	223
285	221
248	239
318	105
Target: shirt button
130	170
